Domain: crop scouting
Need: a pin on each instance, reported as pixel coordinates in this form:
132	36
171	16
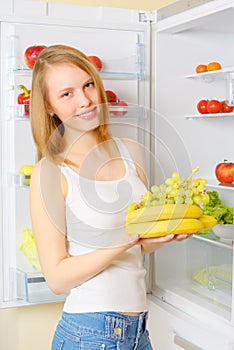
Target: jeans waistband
112	325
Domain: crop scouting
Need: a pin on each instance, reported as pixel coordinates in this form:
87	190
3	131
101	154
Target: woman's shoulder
44	169
133	146
137	154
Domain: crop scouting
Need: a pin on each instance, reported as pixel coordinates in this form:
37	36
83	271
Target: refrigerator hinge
146	17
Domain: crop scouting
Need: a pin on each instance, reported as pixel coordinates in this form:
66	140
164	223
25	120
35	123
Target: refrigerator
149	60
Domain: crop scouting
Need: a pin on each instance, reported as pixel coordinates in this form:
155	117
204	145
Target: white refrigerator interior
123	49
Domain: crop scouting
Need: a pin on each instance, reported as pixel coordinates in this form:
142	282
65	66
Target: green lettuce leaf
215	207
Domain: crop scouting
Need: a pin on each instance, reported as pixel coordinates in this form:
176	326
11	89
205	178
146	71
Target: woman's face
72	96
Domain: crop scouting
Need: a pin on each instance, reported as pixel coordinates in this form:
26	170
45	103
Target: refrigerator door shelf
226	74
21	180
212	75
209	116
212	239
31	287
214	184
200	278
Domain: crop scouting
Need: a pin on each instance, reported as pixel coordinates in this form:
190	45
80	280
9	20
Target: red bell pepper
24	98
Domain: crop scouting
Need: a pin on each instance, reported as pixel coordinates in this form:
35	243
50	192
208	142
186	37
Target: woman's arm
47	205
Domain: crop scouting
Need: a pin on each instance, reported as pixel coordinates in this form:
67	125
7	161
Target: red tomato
111	96
201	68
226	108
202	106
214	106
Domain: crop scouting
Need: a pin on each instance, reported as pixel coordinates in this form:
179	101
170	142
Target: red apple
225	172
111	96
31	54
96	61
120	112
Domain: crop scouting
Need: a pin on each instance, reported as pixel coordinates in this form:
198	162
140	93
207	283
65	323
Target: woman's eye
90	84
66	94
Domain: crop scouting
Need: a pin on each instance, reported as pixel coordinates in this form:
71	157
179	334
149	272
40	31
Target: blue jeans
101	330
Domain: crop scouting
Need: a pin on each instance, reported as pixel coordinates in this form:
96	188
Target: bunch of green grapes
175	190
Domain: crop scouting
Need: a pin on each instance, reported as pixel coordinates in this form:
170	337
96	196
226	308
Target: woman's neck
83	143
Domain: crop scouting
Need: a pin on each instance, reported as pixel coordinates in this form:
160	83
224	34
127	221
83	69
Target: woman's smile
88	114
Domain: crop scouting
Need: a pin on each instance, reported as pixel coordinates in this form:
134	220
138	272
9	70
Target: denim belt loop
115	327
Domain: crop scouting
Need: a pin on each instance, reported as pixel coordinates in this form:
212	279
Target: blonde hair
48	130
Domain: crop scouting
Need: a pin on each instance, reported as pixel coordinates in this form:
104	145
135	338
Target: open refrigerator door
192	281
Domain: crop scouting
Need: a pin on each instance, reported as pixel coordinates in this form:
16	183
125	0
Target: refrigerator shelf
31	287
23	71
189	294
212	239
23	118
216	185
121	75
106	75
21	180
209	116
212	75
18	112
129	111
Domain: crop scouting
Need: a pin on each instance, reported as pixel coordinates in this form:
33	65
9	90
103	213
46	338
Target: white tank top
95	216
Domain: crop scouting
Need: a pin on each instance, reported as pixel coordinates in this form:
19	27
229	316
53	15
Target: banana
165	227
208	221
164	212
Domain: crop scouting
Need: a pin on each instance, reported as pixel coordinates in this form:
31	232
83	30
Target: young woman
80	187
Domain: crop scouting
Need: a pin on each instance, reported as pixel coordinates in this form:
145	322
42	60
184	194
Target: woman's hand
149	245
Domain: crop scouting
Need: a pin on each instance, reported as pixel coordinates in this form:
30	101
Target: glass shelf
23	71
21	180
224	186
129	111
18	112
210	116
212	239
226	74
211	75
121	75
31	287
106	75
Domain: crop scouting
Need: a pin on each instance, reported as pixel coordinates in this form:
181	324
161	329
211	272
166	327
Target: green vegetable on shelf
28	247
213	276
215	207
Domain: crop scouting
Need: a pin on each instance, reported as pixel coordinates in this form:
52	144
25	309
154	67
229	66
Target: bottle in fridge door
120	49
